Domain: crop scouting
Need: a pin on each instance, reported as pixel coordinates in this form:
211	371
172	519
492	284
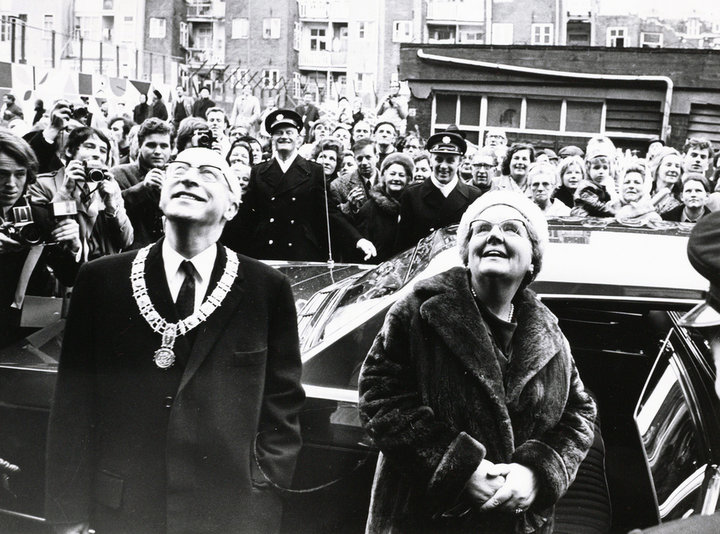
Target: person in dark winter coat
470	390
596	195
377	219
141	111
159	109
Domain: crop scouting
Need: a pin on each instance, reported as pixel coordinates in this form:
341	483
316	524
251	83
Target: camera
205	138
94	175
22	227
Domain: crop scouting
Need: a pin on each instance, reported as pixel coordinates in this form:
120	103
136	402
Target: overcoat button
168	401
289	244
293	199
272	219
272	199
270	242
292	221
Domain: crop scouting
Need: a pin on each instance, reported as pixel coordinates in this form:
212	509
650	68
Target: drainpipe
564	74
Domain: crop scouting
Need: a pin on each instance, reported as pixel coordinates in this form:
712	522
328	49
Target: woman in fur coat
470	391
378	217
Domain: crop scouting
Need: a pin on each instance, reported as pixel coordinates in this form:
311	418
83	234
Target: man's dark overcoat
135	448
424	209
434	400
282	216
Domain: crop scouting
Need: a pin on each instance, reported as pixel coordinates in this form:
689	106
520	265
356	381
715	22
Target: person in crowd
514	168
218	123
547	155
120	128
142	110
654	146
460	389
10	110
48	143
496	139
39	110
633	203
465	171
259	152
411	144
542	179
385	133
193	132
246	109
393	109
704	256
18	258
484	168
571	150
141	181
318	133
99	121
439	201
348	164
349	192
377	219
423	167
285	212
594	196
328	153
309	112
358	113
104	224
240	152
361	130
344	111
666	168
158	108
694	196
202	103
571	172
696	155
182	108
342	134
178	413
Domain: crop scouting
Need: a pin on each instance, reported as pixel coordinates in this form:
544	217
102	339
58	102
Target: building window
616	37
48	26
270	77
184	38
271	28
471	34
402	31
542	34
651	40
88	28
240	28
502	33
504	112
318	39
296	85
583	117
543	114
129	31
108	4
439	34
361	30
297	36
157	28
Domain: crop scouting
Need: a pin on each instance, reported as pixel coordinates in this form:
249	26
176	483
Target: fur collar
385	203
449	308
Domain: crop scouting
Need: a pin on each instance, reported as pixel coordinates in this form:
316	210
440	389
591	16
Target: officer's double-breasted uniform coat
424	209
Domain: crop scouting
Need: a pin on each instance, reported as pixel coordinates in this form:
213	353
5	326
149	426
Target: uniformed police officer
284	211
439	201
704	254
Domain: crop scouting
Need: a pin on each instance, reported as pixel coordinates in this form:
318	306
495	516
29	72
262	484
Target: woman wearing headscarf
378	217
470	390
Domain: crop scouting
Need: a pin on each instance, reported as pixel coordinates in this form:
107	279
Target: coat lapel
213	328
297	175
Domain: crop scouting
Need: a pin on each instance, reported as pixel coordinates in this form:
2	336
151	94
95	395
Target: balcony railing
197	56
322	59
467	11
324	9
206	9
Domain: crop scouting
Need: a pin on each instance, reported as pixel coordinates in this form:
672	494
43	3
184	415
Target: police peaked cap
283	117
448	143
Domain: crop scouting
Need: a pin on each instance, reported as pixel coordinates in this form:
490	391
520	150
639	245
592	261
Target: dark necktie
185	303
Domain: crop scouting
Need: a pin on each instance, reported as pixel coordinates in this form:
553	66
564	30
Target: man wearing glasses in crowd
179	380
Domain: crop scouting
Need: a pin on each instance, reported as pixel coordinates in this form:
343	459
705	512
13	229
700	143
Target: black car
618	292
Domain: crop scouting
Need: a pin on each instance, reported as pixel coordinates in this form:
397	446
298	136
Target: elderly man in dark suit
439	201
178	391
285	211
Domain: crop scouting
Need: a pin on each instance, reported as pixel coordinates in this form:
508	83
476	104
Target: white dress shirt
203	263
445	189
285	165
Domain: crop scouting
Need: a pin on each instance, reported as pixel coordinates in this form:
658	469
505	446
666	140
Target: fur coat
434	400
377	221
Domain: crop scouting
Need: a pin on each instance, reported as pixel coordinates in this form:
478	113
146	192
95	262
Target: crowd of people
372	189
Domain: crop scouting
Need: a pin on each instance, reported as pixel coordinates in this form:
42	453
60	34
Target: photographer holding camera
18	256
141	180
393	108
104	225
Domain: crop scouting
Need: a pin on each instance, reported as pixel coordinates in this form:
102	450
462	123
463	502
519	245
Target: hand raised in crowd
111	195
154	179
67	232
217	147
485	482
7	244
356	197
519	490
60	114
367	248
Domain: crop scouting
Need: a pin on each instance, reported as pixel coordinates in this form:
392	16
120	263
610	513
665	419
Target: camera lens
203	140
95	175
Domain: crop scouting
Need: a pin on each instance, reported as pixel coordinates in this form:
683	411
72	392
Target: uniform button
272	199
272	219
293	199
292	221
289	244
270	242
168	401
432	229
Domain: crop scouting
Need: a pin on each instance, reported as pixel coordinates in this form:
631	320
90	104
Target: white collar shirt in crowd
285	165
445	189
203	263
